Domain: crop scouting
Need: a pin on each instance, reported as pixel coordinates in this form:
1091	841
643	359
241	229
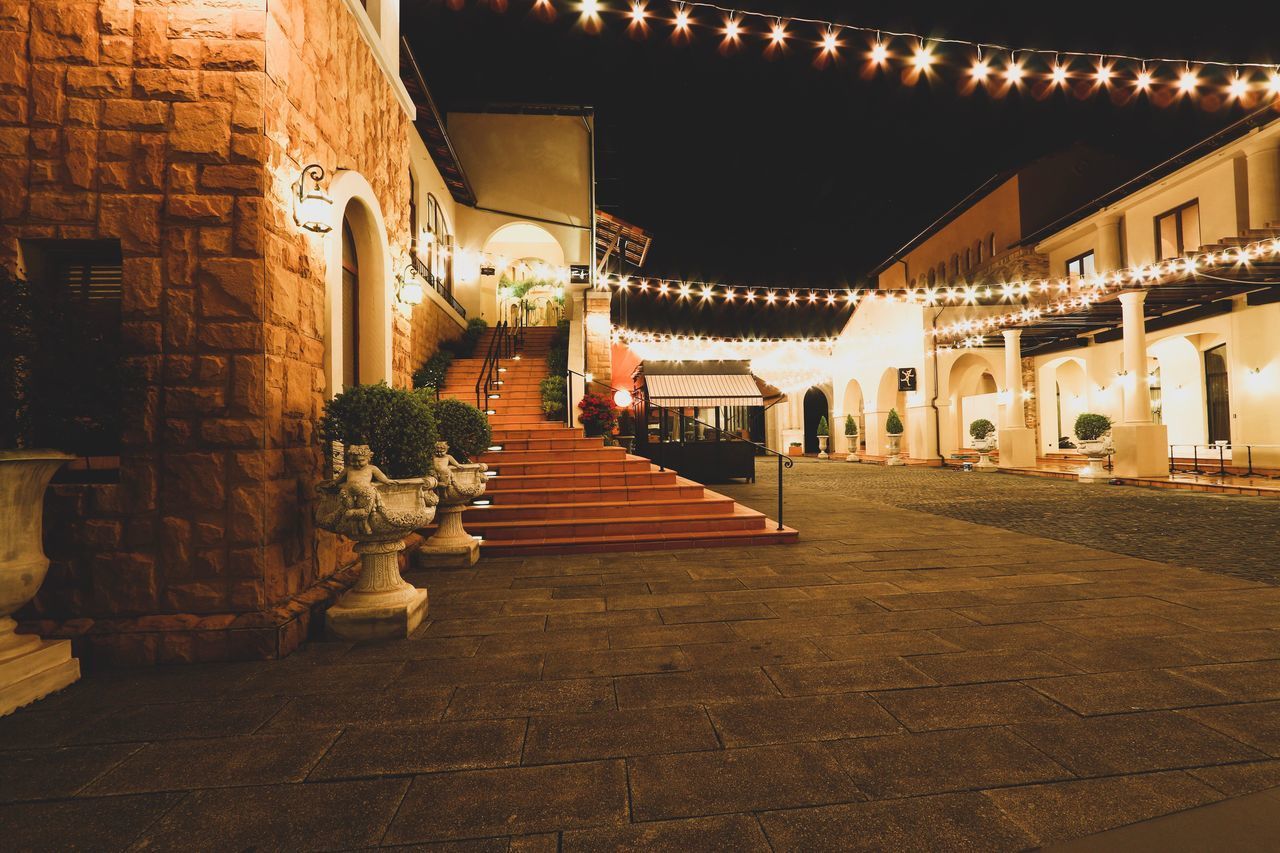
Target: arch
356	211
817	404
853	404
1067	380
521	240
1179	394
972	393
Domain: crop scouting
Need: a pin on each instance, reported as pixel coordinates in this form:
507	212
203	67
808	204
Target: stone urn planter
852	455
893	443
376	513
1095	451
984	446
822	447
458	484
30	668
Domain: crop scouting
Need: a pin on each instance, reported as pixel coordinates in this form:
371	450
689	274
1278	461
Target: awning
703	390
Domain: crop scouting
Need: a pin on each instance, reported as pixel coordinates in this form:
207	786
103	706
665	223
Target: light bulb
981	70
1188	82
682	19
1016	71
1059	74
638	12
778	33
829	43
1143	81
922	58
879	53
732	29
1238	87
590	8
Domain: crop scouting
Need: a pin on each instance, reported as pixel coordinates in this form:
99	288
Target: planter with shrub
465	431
598	414
383	493
553	397
851	438
795	449
983	434
824	435
893	431
1093	432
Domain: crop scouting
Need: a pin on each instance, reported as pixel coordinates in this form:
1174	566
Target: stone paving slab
897	680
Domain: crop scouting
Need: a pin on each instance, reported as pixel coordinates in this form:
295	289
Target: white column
1013	412
1137	403
1106	253
1263	159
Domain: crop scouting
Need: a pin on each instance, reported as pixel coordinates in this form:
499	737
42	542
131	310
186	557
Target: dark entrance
1217	393
350	308
815	408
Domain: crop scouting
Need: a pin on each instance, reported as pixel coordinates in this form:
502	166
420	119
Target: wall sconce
311	207
409	287
1255	371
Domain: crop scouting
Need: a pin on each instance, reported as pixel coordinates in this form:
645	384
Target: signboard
906	379
579	273
487	270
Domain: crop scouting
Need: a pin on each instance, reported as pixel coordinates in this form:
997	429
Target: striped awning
703	389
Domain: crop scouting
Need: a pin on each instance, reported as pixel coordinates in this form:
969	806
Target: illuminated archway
852	404
971	394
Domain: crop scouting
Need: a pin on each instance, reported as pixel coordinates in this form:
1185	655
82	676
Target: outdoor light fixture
682	19
409	287
879	53
1238	87
622	398
311	208
1144	80
778	33
1188	82
923	57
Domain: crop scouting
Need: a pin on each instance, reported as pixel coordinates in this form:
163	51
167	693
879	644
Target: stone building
162	145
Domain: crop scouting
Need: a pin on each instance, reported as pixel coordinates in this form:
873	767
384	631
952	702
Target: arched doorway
972	395
853	405
1217	393
816	407
350	373
529	264
889	398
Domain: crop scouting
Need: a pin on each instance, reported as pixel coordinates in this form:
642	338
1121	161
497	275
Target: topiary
465	427
553	395
1091	427
981	428
893	423
824	429
398	425
850	425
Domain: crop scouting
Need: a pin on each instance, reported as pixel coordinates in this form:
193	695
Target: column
1017	442
1106	253
1263	159
1137	403
1141	445
599	345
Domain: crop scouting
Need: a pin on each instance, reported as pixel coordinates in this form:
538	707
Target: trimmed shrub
433	371
893	423
850	425
824	429
553	393
981	428
1091	427
398	425
465	427
466	345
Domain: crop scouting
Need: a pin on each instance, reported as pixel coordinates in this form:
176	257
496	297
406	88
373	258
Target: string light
788	364
1234	79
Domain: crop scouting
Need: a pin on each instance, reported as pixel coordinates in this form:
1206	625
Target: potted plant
893	431
465	430
598	414
1092	433
983	433
553	397
378	505
851	437
824	435
795	449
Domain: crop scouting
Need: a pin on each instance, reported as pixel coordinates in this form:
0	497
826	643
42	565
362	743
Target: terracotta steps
703	504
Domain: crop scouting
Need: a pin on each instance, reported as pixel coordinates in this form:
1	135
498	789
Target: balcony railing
440	287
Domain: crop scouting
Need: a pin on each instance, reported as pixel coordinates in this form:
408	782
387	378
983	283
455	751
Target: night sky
760	171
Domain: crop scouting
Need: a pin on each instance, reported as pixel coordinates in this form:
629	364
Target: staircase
556	491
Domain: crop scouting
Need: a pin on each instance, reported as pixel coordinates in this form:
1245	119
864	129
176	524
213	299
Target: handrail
425	273
492	364
784	461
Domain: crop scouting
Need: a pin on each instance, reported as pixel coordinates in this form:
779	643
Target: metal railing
1222	449
425	273
637	404
501	345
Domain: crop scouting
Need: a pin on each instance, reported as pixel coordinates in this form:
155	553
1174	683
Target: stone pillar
1141	446
1263	158
1106	254
1017	442
599	347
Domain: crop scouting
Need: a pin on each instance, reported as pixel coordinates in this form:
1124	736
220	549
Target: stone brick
201	23
234	55
116	50
251	24
135	219
166	84
141	336
115	17
62	206
235	178
248	384
180	318
142	285
194	400
245	337
215	241
231	287
13	109
127	582
199	208
13	187
248	148
194	481
247	513
183	178
83	112
65	32
13	141
151	38
14	66
81	157
98	82
201	130
48	94
148	170
248	226
184	53
212	369
180	256
175	546
135	115
15	15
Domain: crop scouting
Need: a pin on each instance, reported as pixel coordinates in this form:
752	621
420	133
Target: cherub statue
360	500
445	464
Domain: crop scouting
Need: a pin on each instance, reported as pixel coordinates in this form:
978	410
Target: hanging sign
579	273
906	379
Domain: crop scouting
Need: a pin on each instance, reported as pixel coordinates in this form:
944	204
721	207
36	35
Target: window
1178	231
413	214
1082	266
350	309
439	253
991	245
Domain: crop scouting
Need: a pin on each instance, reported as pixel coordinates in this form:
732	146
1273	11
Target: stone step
703	505
737	518
674	490
615	543
577	455
619	465
594	481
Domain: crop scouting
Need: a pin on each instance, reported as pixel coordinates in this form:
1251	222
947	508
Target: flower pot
795	450
984	446
852	441
822	447
30	668
592	430
458	484
893	443
1095	450
377	516
554	416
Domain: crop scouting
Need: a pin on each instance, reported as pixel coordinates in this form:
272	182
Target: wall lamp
311	207
409	286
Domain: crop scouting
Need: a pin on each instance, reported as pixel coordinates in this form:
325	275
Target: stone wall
178	128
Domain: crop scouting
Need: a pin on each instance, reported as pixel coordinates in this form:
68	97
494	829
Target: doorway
815	409
1217	394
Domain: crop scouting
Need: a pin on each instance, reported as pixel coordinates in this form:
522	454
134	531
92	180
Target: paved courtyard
900	680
